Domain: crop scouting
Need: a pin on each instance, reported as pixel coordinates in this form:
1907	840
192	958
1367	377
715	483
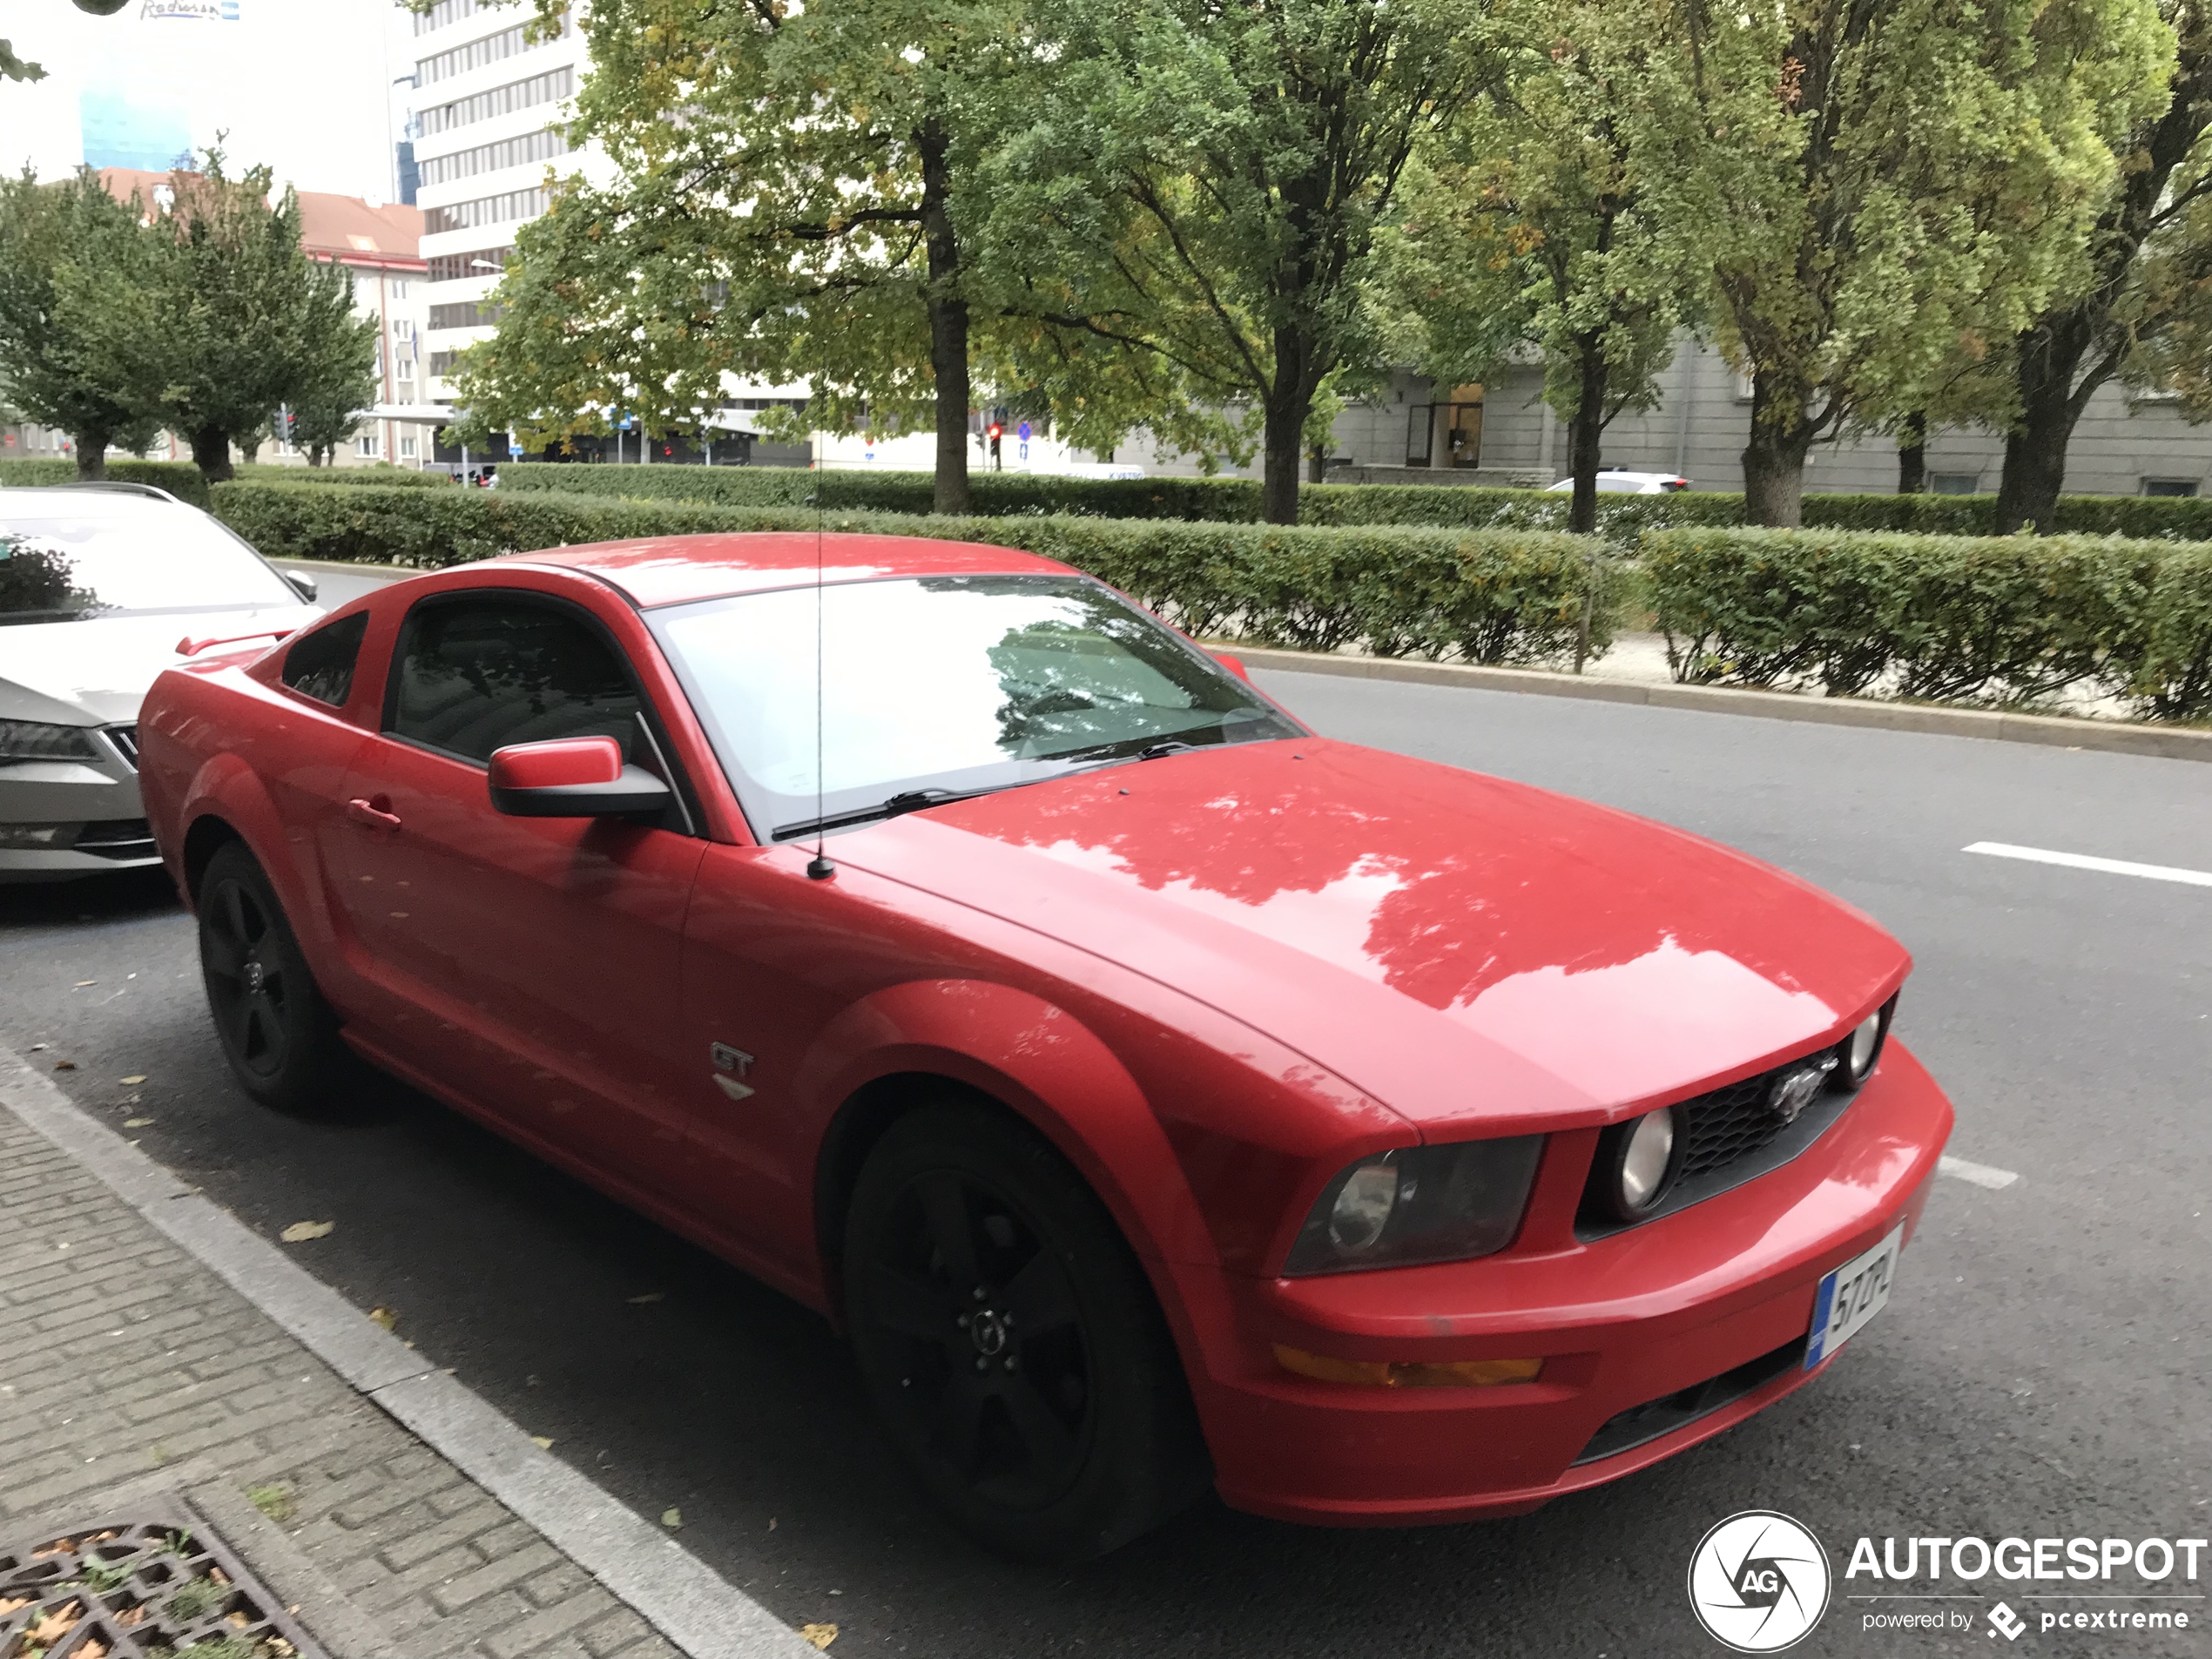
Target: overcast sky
304	85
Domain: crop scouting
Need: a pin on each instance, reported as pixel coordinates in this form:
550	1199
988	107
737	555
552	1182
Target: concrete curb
675	1592
2110	737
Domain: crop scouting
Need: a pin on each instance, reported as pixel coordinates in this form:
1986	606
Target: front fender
1041	1061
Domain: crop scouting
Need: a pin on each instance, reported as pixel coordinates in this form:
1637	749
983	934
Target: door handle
372	813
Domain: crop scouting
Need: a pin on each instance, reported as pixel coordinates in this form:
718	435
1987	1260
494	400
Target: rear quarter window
320	663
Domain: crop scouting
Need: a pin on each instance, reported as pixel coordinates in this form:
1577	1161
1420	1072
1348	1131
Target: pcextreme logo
1759	1581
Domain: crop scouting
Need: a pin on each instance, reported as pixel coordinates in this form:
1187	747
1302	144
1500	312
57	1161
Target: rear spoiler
189	647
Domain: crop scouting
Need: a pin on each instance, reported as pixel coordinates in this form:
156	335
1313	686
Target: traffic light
993	432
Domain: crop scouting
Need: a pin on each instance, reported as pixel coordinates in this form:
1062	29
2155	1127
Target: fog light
1637	1161
1387	1373
1856	1054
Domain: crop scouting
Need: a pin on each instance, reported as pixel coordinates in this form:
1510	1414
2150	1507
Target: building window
399	288
407	448
2169	486
1954	483
477	262
549	88
484	210
442	364
492	49
368	446
465	314
402	327
541	145
446	12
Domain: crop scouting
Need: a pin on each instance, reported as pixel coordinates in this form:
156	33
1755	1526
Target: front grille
125	739
117	838
1640	1425
1730	1123
1730	1135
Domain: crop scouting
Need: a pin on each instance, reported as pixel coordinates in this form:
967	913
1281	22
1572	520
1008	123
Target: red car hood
1469	951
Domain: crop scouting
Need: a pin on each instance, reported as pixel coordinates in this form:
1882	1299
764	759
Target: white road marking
2083	861
1981	1175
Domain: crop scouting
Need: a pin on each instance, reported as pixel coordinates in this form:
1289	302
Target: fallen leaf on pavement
137	1123
82	983
127	1082
543	1442
820	1635
299	1231
385	1316
58	1623
9	1604
36	1047
650	1295
671	1518
65	1065
90	1648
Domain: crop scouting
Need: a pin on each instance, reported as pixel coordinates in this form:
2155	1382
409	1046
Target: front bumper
1654	1338
60	819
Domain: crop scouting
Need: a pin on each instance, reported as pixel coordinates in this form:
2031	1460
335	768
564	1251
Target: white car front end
98	589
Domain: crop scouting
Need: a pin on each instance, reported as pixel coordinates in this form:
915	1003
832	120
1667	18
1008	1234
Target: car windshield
61	568
938	686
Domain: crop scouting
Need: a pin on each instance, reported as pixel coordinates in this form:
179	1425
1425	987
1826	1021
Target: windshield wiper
906	800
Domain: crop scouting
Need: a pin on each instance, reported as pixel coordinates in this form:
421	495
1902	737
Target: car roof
50	501
678	569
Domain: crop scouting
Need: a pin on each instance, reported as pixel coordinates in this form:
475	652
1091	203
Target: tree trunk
1317	464
2035	447
91	454
1774	462
1913	455
1585	433
1288	402
211	453
948	324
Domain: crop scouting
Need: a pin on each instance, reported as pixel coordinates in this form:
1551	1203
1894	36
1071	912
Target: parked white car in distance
99	585
1614	481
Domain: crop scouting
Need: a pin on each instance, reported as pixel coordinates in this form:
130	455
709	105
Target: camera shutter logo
1759	1582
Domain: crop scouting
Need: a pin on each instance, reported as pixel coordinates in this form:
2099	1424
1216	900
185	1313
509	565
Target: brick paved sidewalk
127	1366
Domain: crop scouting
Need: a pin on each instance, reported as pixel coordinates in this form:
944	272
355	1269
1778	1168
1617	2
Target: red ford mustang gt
1157	1093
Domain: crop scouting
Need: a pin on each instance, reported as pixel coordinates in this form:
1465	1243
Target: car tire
1010	1342
278	1034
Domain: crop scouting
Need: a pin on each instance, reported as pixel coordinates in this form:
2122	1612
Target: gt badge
730	1065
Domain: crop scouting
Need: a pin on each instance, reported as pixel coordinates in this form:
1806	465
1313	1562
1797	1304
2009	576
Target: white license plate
1850	1297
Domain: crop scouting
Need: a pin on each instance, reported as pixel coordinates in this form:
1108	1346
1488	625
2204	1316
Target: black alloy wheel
1010	1342
277	1033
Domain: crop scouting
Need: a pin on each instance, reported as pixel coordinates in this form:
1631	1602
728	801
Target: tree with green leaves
81	279
250	321
1232	165
2133	304
1870	186
1527	226
802	195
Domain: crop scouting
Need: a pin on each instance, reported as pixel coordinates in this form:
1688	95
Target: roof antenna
818	868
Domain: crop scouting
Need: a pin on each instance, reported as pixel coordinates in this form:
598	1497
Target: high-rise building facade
491	88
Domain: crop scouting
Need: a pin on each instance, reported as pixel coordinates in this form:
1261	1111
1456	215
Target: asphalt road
2041	1370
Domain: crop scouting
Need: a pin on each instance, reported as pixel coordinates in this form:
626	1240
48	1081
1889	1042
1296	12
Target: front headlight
1419	1203
37	740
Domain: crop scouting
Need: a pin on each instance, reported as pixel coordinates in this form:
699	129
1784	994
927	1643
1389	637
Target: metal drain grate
140	1586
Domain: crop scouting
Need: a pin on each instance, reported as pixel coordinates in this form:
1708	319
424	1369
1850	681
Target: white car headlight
38	740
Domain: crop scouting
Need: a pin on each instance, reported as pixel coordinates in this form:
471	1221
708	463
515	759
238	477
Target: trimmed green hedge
1487	597
181	478
1621	518
1939	618
382	473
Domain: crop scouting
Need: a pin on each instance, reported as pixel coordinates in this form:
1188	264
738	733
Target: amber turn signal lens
1386	1373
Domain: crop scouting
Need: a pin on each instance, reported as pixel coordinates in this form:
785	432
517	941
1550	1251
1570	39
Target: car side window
476	674
320	663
